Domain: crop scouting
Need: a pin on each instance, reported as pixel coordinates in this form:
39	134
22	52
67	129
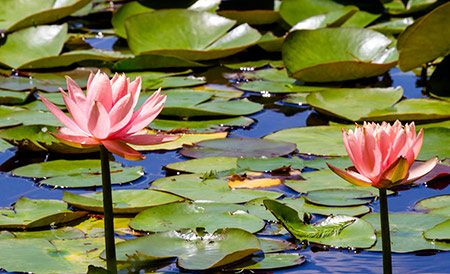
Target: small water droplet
99	35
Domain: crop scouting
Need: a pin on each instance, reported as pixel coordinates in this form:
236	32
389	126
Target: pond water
275	116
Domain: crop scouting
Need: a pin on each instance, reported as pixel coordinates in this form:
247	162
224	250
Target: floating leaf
320	163
126	201
194	252
214	108
334	18
18	14
432	144
269	164
276	87
64	233
340	197
394	26
432	203
238	147
125	11
318	140
252	17
204	126
191	216
439	232
302	205
95	226
146	34
28	213
426	32
8	97
353	104
339	231
203	165
193	187
254	183
35	43
293	11
272	261
337	54
153	61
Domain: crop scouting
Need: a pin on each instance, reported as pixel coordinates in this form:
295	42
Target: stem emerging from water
385	232
108	212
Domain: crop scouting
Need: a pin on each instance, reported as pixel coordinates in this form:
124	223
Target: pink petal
421	170
60	115
121	113
76	141
417	145
78	114
91	77
135	89
351	177
98	123
122	150
149	139
119	88
100	90
75	92
114	79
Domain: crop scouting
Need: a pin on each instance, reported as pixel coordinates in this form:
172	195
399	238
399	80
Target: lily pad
334	18
204	126
32	44
269	164
194	251
191	216
252	17
64	233
302	205
432	144
21	14
126	201
125	11
426	32
339	231
153	61
353	104
203	165
28	214
95	226
293	11
340	197
320	163
337	54
41	256
272	261
193	187
318	140
199	35
433	203
8	97
393	27
276	87
238	147
439	232
413	109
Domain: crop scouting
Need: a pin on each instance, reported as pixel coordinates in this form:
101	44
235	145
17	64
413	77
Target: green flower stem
385	232
108	212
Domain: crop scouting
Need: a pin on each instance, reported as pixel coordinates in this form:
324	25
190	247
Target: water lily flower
383	155
104	115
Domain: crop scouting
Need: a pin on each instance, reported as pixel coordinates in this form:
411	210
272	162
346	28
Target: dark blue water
277	116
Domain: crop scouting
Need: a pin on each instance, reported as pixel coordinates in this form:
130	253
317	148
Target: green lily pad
413	109
334	18
361	19
21	14
33	117
238	147
252	17
204	126
296	98
193	187
440	211
433	203
272	261
302	205
293	11
126	201
426	32
318	140
194	251
28	213
153	61
269	164
393	27
8	97
147	33
407	231
433	144
340	197
203	165
174	82
398	7
256	207
320	163
185	139
337	54
271	74
38	138
439	232
125	11
271	43
58	256
32	44
190	216
269	245
339	231
353	104
95	226
276	87
321	179
64	233
75	56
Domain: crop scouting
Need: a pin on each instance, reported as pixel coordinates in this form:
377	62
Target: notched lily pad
340	197
28	214
238	147
126	201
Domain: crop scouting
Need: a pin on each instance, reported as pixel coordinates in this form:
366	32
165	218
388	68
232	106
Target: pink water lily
383	155
104	115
